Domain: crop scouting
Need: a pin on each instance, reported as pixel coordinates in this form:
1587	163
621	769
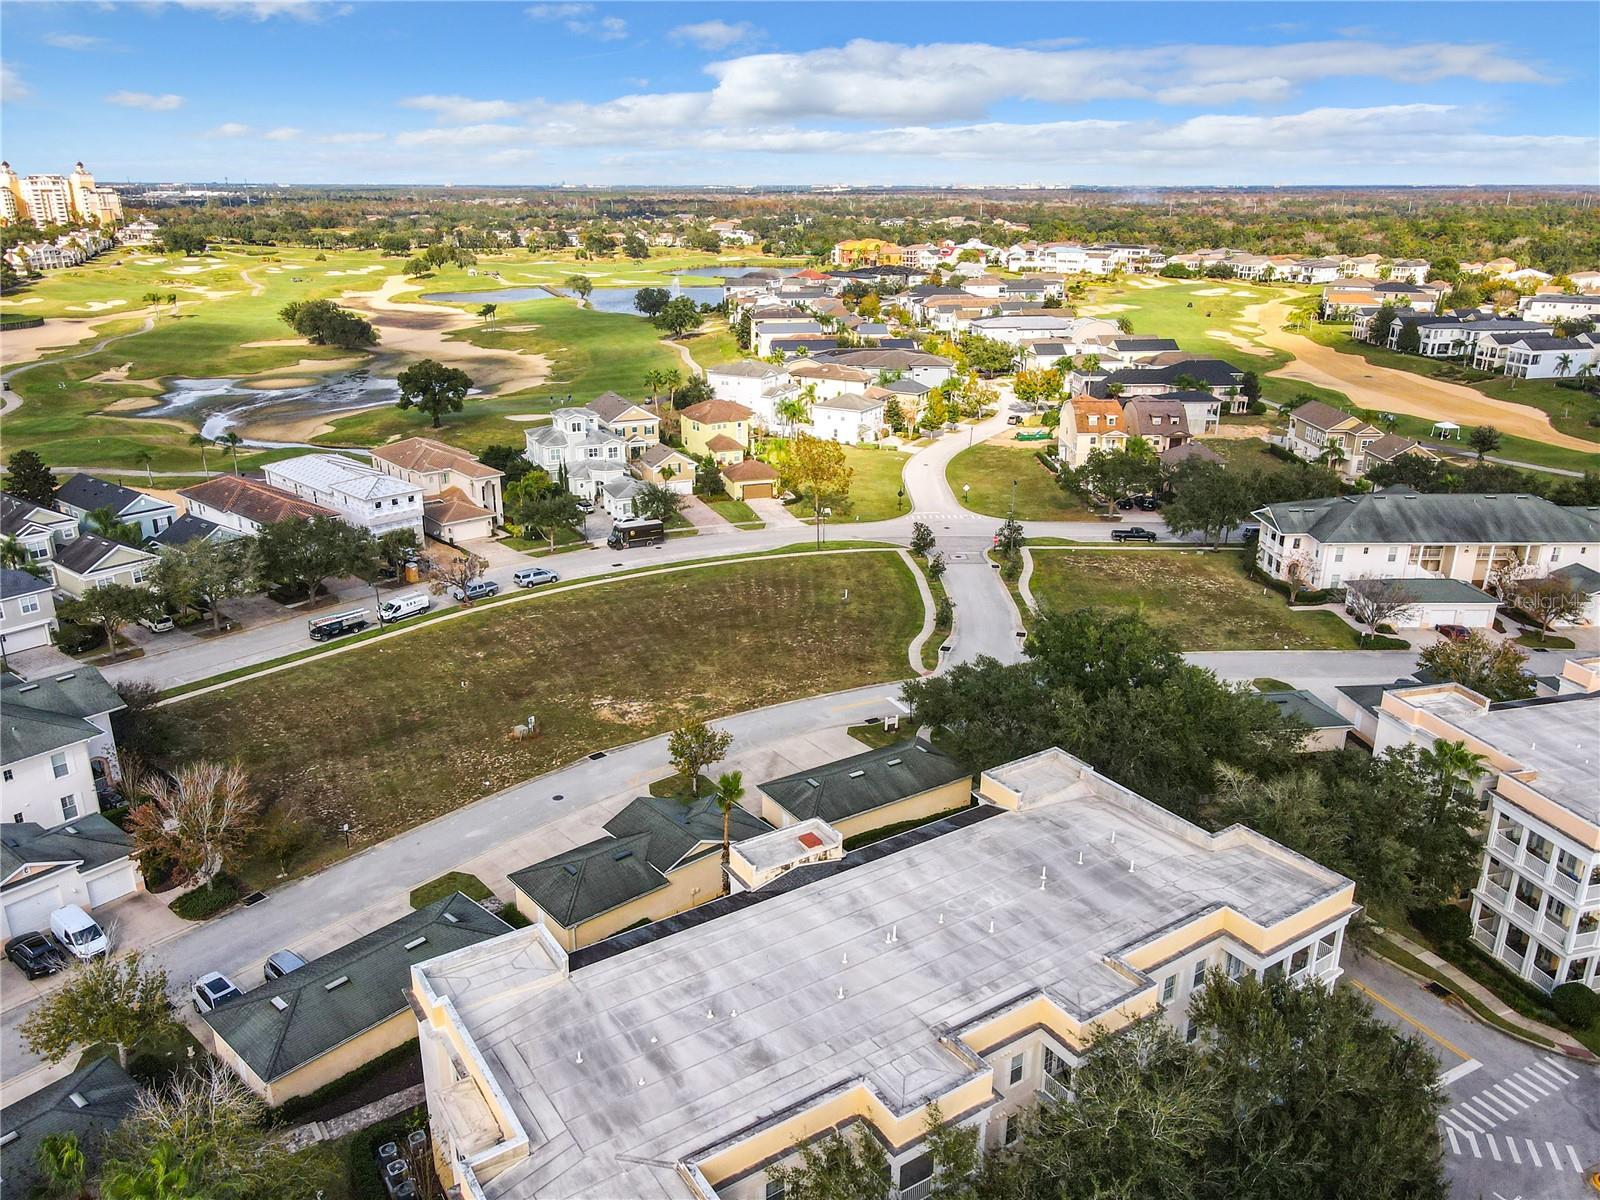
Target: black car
1125	504
1135	534
36	954
1147	503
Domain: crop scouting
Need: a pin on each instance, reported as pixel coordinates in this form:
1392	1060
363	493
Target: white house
86	861
759	386
461	497
362	495
1403	534
242	506
56	746
1536	905
1545	356
27	611
83	494
910	364
1031	327
849	417
576	439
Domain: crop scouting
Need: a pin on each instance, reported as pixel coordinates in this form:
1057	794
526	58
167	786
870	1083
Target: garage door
758	491
33	912
113	886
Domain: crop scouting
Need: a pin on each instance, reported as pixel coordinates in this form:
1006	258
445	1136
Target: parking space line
1561	1066
1576	1165
1494	1150
1555	1156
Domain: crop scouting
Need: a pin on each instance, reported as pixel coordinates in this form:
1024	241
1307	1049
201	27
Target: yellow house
289	1037
717	427
663	855
663	465
910	781
750	479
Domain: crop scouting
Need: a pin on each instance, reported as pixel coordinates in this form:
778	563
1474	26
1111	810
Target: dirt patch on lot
1384	389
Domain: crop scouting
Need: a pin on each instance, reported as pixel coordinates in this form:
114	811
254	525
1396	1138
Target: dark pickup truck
1136	534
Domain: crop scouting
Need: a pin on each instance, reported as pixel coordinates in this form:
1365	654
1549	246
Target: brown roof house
461	497
245	505
1158	420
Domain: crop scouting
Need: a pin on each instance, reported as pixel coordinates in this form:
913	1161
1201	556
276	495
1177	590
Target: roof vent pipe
579	1059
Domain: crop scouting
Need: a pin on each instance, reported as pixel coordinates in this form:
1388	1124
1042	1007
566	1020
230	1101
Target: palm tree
104	522
232	441
730	789
162	1176
201	440
14	556
64	1168
145	459
655	381
1563	363
487	313
1453	766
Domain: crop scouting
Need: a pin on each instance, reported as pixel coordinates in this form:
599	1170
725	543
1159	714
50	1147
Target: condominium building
56	199
1536	905
967	965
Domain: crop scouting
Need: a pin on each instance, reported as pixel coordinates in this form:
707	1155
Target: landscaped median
392	734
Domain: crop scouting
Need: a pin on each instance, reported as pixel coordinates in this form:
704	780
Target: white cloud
284	133
353	138
74	41
716	35
463	109
580	19
146	101
12	86
265	10
463	135
229	129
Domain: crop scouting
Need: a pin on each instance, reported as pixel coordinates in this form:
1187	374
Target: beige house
637	426
1089	424
1318	431
90	560
970	970
663	855
461	497
750	479
314	1025
910	781
663	465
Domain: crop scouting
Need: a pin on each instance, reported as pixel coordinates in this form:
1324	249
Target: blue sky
1121	94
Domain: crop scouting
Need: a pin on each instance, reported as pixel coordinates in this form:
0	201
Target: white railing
1542	978
1587	939
1484	937
1565	885
1500	894
1053	1089
917	1191
1505	847
1554	929
1526	911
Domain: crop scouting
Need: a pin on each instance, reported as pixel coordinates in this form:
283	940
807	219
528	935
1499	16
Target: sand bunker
132	404
527	416
113	375
274	342
1242	292
1100	310
20	303
1211	291
94	306
1238	343
358	271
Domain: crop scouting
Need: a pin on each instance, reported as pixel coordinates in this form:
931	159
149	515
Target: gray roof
751	368
608	406
849	402
16	515
15	583
319	1012
885	360
863	782
107	1092
1425	589
86	842
87	551
1211	371
1401	515
1139	344
1184	451
1391	446
1585	578
1302	706
676	825
908	387
50	712
187	528
88	493
1325	416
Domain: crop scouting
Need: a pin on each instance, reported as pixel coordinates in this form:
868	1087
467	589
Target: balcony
1504	847
1484	937
1586	939
1553	930
1499	893
1052	1088
1565	885
1525	912
1541	978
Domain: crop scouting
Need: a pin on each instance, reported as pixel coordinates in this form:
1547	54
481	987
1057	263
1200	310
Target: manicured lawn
407	729
1267	683
448	884
713	344
989	467
736	511
1178	311
1202	599
875	485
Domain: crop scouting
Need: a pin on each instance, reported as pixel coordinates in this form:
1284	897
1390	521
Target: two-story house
1160	421
56	747
637	426
89	560
759	386
1089	423
27	611
461	497
1398	533
241	506
1319	432
719	428
39	531
82	494
576	442
362	495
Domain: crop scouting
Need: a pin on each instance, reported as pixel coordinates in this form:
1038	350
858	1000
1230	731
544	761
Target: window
1016	1069
376	505
1169	988
1393	552
1190	1031
1055	1066
1338	555
1233	965
1199	974
1013	1128
30	604
1295	545
1300	960
774	1189
16	818
8	776
69	808
58	764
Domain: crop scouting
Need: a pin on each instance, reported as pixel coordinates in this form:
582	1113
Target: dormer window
1110	420
1094	419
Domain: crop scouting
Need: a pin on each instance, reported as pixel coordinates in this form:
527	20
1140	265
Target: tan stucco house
905	782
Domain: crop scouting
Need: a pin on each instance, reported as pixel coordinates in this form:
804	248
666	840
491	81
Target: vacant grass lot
989	468
875	485
409	729
1203	599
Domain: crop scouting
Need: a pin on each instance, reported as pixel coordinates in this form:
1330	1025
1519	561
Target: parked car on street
281	963
35	954
478	589
79	934
533	576
211	990
1136	533
1454	633
338	624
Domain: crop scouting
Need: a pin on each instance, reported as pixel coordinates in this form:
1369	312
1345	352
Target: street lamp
1013	499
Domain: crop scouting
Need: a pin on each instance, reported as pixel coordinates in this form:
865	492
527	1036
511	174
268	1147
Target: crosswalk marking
1520	1090
1533	1152
1529	1081
1511	1096
1473	1142
1561	1066
1494	1150
1555	1156
1457	1115
1546	1073
1576	1165
1450	1132
1511	1145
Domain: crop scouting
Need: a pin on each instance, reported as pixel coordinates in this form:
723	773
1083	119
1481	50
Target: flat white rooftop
1560	739
689	1040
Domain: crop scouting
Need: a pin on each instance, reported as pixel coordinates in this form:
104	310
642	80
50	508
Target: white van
79	934
399	607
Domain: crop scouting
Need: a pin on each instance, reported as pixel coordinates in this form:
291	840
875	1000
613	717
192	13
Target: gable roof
661	453
675	825
1304	707
1185	451
907	387
751	470
609	406
721	443
86	842
336	473
1141	413
864	782
1326	417
1581	576
1405	516
858	402
1210	371
1425	589
747	368
257	502
38	716
18	516
713	412
1391	446
89	551
88	493
187	528
451	506
591	879
14	583
425	454
107	1093
319	1012
884	360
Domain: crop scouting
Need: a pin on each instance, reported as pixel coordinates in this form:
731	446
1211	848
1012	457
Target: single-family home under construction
461	497
362	495
89	560
968	965
83	494
59	752
342	1010
1402	533
244	505
87	861
663	855
909	781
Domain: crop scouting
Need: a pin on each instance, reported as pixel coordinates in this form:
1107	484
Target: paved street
1521	1121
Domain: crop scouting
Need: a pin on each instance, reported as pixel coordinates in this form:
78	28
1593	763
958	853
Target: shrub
207	901
1576	1004
1446	925
72	638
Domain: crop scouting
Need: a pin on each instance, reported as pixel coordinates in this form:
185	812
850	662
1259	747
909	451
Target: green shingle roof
1304	707
1586	579
676	826
48	713
591	879
316	1012
89	841
107	1092
863	782
1425	589
1399	515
